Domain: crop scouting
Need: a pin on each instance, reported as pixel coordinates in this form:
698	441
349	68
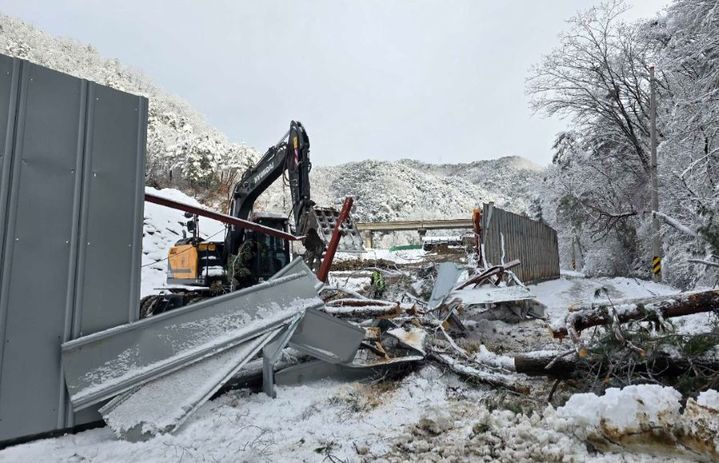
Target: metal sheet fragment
447	275
102	365
491	294
326	337
163	404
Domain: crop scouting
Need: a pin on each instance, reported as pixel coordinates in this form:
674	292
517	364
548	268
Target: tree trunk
653	309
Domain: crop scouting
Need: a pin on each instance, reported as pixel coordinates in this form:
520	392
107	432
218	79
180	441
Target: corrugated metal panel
533	243
43	202
110	244
9	73
44	116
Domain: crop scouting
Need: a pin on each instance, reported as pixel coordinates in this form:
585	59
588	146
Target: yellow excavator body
183	262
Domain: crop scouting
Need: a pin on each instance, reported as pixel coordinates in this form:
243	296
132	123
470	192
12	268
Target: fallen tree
652	309
552	364
367	308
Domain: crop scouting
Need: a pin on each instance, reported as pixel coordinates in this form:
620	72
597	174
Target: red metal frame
324	270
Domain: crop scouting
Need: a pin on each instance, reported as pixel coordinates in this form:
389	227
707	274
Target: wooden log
546	363
366	308
652	309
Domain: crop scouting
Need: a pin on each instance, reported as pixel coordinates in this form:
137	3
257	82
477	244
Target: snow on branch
704	262
675	223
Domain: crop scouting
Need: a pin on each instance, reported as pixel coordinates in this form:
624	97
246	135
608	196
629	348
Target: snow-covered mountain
410	189
179	139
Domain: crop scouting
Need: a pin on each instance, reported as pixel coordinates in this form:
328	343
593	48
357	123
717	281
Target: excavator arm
290	154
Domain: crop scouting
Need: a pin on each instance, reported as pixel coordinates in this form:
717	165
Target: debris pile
398	332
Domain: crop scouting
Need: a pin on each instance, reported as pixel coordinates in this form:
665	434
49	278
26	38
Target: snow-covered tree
598	188
183	151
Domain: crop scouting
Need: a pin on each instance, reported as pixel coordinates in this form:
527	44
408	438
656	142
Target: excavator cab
267	254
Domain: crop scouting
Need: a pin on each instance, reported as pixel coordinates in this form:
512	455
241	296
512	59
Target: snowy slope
410	189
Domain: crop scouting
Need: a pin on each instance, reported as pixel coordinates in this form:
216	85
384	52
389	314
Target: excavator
200	269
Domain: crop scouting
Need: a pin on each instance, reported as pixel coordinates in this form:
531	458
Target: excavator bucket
326	220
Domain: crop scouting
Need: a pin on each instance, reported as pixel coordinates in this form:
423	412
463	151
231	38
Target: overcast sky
439	81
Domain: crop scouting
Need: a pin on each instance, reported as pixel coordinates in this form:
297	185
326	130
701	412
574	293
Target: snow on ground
427	416
565	292
162	227
574	289
304	423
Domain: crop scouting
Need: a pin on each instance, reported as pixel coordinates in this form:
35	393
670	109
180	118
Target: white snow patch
624	409
709	398
299	425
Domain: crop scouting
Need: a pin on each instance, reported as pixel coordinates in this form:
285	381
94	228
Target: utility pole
656	237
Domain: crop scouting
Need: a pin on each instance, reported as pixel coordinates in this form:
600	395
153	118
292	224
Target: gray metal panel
9	81
41	217
10	72
297	267
447	275
162	405
108	269
327	338
533	243
104	364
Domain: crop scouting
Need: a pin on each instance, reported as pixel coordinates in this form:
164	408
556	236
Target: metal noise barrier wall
533	243
72	157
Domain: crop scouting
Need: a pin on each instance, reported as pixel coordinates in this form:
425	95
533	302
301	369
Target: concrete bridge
368	228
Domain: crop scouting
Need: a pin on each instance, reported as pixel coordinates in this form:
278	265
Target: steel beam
403	225
105	364
224	218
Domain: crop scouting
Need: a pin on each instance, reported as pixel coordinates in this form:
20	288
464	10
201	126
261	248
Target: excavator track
156	304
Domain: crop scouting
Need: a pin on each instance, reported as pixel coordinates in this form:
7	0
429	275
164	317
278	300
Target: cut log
366	308
652	309
546	363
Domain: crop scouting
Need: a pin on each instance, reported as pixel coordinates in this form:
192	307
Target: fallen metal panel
104	364
315	370
271	355
327	338
162	405
489	295
38	260
298	267
447	275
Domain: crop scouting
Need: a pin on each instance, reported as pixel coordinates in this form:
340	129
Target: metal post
656	237
324	270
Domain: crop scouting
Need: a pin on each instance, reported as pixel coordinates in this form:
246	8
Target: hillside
410	189
178	139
